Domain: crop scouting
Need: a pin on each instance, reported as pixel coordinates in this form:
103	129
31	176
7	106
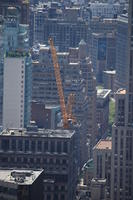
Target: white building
16	92
106	10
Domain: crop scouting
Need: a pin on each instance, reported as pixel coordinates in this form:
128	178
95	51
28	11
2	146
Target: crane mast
70	103
59	84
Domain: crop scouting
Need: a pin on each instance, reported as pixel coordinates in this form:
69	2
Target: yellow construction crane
59	84
65	115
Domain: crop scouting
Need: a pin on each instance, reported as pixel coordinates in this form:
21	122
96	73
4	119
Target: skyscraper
122	136
16	74
121	51
21	5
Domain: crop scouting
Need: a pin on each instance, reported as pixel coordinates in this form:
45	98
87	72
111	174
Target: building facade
63	24
103	98
16	74
122	137
21	184
52	150
16	90
103	53
102	154
77	78
121	52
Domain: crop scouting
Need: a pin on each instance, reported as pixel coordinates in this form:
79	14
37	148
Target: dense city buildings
77	78
21	184
53	150
110	9
64	25
56	137
21	5
122	142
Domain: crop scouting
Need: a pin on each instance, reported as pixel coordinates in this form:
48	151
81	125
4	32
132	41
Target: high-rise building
122	136
103	98
16	74
16	89
15	33
21	5
21	184
1	65
121	52
98	189
102	162
103	53
64	25
52	150
108	9
45	116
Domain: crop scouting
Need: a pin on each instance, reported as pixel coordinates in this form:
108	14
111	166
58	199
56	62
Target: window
48	197
5	145
33	146
45	146
13	145
39	146
59	147
26	145
65	147
20	145
52	146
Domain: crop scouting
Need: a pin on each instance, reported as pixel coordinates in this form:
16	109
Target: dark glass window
52	146
59	147
65	147
39	146
48	197
56	197
45	146
5	145
26	145
33	146
20	145
13	145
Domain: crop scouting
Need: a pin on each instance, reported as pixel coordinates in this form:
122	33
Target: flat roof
103	93
47	133
121	91
104	144
19	177
112	72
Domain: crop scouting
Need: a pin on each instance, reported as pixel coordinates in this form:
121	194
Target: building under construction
77	78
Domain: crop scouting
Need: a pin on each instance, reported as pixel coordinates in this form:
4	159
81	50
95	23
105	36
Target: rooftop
17	54
48	106
103	93
34	132
121	91
104	144
111	72
19	177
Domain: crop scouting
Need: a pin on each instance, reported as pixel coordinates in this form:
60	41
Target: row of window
34	146
34	160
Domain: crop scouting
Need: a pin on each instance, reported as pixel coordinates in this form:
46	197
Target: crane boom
59	84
